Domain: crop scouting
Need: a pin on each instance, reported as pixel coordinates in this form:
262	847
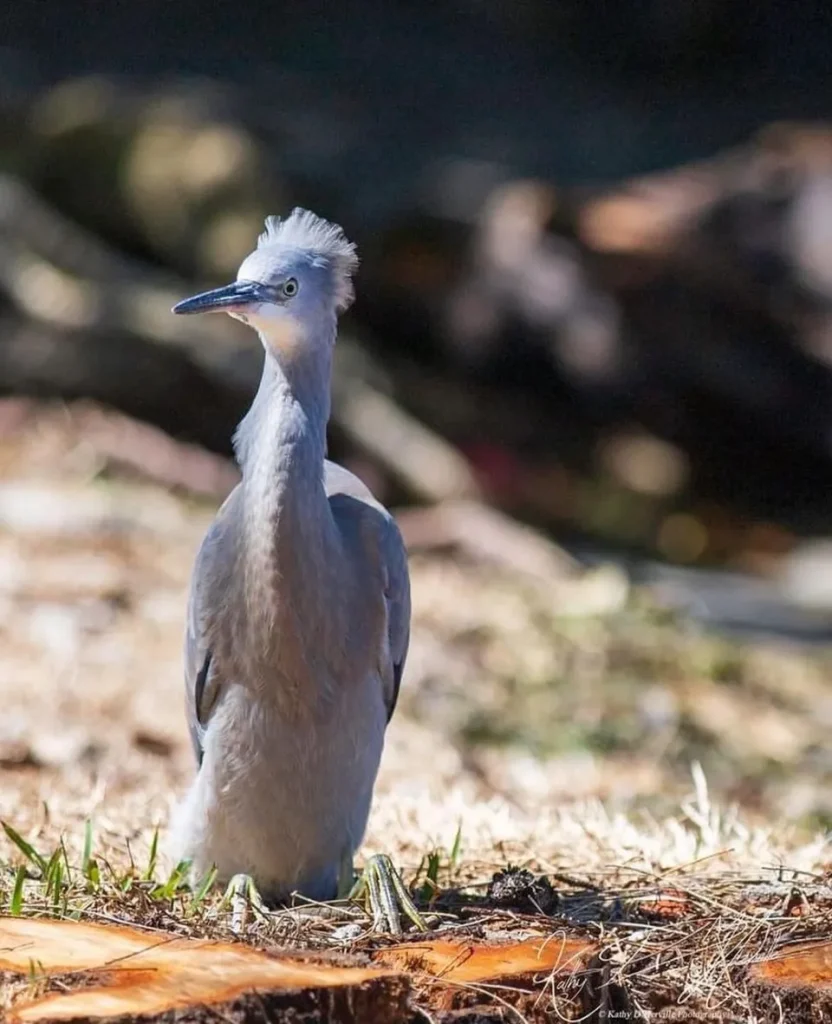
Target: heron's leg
242	893
346	875
384	895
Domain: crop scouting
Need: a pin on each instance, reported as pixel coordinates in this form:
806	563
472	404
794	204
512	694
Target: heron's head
292	287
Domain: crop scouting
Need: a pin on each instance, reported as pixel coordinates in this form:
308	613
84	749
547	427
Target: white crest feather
323	240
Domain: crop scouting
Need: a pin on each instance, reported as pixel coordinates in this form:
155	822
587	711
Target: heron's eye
289	288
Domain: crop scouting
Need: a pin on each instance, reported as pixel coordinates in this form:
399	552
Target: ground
571	728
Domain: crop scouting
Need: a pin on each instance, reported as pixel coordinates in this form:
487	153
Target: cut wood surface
526	974
795	985
467	962
54	970
67	971
114	971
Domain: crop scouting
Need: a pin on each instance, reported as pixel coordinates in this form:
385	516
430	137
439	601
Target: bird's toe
385	896
242	895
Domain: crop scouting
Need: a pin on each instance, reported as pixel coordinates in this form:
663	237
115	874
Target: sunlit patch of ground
524	736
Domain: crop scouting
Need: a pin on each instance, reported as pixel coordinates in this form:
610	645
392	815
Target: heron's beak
230	298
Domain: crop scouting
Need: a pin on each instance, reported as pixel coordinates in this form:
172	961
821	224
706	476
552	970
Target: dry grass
560	745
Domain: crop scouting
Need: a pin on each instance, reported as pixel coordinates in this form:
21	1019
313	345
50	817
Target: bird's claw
242	894
384	895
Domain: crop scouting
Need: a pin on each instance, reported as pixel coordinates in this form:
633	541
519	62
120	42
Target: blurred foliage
161	172
622	702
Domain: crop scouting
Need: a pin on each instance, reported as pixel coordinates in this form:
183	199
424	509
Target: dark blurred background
595	300
596	240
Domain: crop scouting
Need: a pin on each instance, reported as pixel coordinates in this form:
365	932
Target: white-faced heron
299	613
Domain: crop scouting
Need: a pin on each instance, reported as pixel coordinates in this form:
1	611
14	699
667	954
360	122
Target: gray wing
392	556
398	609
202	682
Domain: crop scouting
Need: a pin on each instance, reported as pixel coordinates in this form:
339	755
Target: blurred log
723	271
428	467
648	215
169	169
693	305
101	328
126	442
487	535
692	308
124	372
59	274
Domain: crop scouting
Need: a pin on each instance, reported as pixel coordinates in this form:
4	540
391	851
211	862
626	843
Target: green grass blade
16	902
51	873
420	868
67	868
57	885
26	848
456	848
430	887
168	889
93	875
205	886
132	869
86	856
36	970
151	862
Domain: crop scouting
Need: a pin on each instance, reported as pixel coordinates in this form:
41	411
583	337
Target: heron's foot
242	895
385	896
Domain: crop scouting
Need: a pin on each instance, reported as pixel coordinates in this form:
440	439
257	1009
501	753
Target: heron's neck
288	416
281	446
